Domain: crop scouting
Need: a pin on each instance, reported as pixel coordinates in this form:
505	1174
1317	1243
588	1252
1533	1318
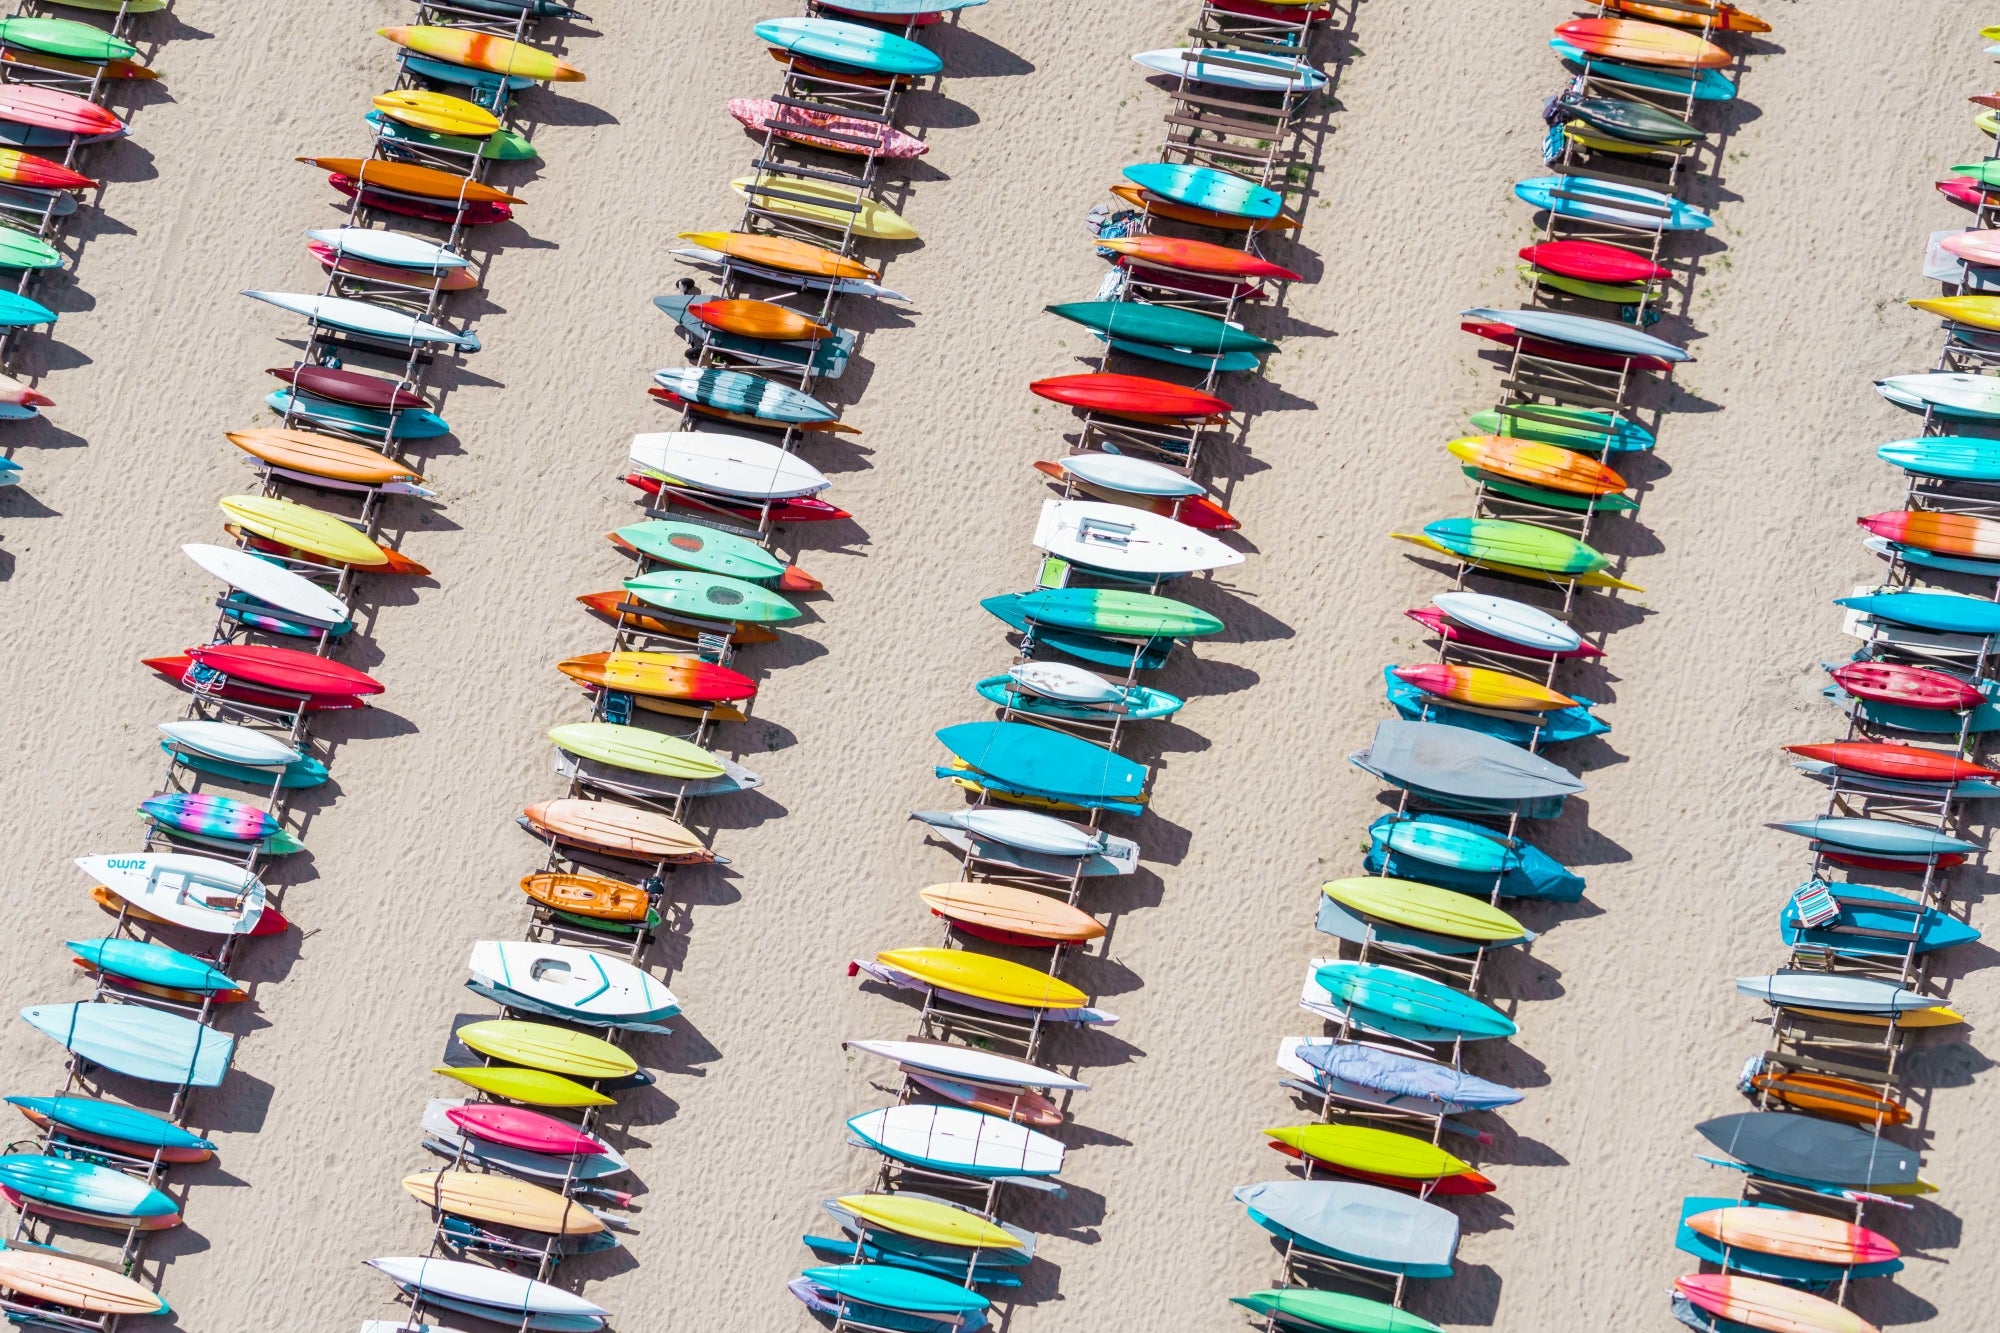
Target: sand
1631	1031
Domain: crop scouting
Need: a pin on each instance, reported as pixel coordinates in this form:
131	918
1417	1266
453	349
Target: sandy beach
1631	1031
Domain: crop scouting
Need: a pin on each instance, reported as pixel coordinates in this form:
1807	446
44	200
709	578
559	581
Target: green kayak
692	546
1115	611
1333	1309
711	597
504	145
20	250
1615	293
637	750
1161	325
1502	541
65	37
1634	122
1986	172
1570	427
1606	504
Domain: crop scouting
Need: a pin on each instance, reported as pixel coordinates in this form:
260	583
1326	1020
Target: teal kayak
306	772
109	1120
1708	85
1149	654
1536	874
852	44
735	391
1037	759
408	424
894	1288
1874	923
483	83
1446	842
83	1185
1114	611
1140	704
142	1043
153	964
1205	187
1410	1001
711	597
1233	363
1956	457
18	312
1161	325
1939	612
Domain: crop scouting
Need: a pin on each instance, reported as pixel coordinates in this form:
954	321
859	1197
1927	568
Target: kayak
1643	44
1966	396
1195	256
440	113
1524	545
1910	686
404	178
1887	759
1843	993
711	597
405	424
1759	1304
1405	1004
285	669
1125	540
1571	427
1364	1225
663	675
1885	836
1225	68
1872	922
1042	761
1795	1235
825	130
1116	612
1159	205
836	207
1593	261
1706	85
853	44
1163	326
1693	14
482	51
1959	457
1483	687
738	391
1304	1307
1129	395
366	318
1537	464
1619	339
1607	201
1940	612
66	38
782	252
1634	122
343	463
1424	907
1207	188
1947	534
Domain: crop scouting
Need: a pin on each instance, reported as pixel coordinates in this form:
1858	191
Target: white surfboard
1127	540
388	247
726	464
1029	831
1503	618
198	892
268	582
582	980
1132	476
969	1064
494	1287
362	317
231	743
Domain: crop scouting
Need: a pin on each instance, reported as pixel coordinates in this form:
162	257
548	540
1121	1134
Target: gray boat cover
1405	1075
1366	1221
1459	762
1810	1149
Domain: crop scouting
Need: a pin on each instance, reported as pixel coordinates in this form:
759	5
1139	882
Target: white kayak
1126	540
1070	684
231	744
1835	990
1955	392
395	248
361	317
1504	618
954	1138
1129	476
492	1287
1225	69
198	892
270	582
970	1064
726	464
1029	831
580	980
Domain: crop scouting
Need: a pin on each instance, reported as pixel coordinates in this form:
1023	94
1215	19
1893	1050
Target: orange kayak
1722	18
606	604
1536	464
1196	257
1643	43
402	178
666	675
1009	915
1947	534
758	319
854	77
1830	1098
322	456
622	830
19	168
588	895
781	252
1808	1236
1483	687
1200	217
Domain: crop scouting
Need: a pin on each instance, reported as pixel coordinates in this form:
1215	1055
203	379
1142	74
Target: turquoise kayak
699	547
1161	325
1445	842
1606	201
1956	457
1141	704
142	1043
153	964
1917	555
306	772
18	312
1085	647
483	83
83	1185
109	1120
1115	611
1036	759
898	1289
852	44
1537	874
1205	187
410	423
1709	85
1939	612
1408	1000
1865	909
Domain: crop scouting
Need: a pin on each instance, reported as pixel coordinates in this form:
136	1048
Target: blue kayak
844	1249
1939	612
1558	724
1206	187
109	1120
410	423
153	964
484	83
895	1288
1038	760
1537	874
1778	1268
1606	201
852	44
18	312
1883	837
1958	457
1581	331
1863	907
1709	85
142	1043
83	1185
1446	842
1917	555
1083	646
1397	1075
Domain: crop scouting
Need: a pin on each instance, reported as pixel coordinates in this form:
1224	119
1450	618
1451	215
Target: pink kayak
530	1131
838	134
1962	190
1974	247
209	816
1445	628
47	109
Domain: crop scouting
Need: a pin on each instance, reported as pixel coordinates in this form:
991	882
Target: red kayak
350	386
1221	261
1891	759
410	206
1465	1182
798	509
1129	395
530	1131
1555	351
175	669
286	669
1174	280
1292	14
1856	861
1962	190
1197	511
1910	686
1592	261
1451	631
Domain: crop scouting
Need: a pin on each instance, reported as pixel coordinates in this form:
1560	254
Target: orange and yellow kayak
1483	687
478	50
1808	1236
1721	18
1947	534
402	178
19	168
665	675
1643	43
1536	464
781	252
758	319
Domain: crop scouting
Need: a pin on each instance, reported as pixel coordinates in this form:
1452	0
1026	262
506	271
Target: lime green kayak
1117	612
20	250
637	749
711	597
504	145
1572	428
1523	545
1614	293
1606	504
1333	1309
65	37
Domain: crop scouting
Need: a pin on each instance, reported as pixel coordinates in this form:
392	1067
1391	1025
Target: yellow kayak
1937	1016
827	205
984	977
1595	579
530	1087
637	749
303	528
438	113
503	1200
547	1047
1405	902
478	50
978	788
1977	312
1580	132
925	1219
1379	1151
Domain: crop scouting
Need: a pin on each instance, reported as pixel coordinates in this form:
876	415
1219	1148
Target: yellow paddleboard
503	1200
1978	312
1361	1148
637	749
1599	579
1405	902
924	1219
531	1087
438	113
1937	1016
827	205
984	977
547	1047
303	528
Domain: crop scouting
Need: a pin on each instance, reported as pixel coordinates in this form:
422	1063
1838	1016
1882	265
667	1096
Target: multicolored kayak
737	391
1947	534
1706	85
1597	200
1118	613
86	1187
1521	545
783	253
1768	1305
482	51
1483	687
1643	44
1207	188
1536	464
210	816
1570	427
1693	14
1793	1235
